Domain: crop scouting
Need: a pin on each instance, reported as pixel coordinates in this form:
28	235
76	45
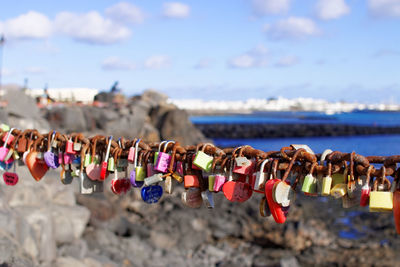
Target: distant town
86	96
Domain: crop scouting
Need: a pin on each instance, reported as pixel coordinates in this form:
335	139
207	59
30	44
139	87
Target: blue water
353	118
366	145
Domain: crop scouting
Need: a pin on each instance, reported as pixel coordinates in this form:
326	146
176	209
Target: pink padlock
60	158
4	150
163	160
219	182
150	169
68	158
131	155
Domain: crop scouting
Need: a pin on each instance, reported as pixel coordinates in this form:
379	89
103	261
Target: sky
225	50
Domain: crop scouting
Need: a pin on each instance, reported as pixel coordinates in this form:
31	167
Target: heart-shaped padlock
277	211
10	178
37	168
151	194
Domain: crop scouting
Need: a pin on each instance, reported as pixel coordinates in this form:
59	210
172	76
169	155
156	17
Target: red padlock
69	147
277	211
103	172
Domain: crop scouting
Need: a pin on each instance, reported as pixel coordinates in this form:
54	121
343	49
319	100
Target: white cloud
384	8
287	61
126	13
203	63
292	28
32	25
267	7
91	28
254	58
115	63
34	70
331	9
157	62
176	10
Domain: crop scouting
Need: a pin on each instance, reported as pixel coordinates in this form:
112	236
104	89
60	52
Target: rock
68	261
67	119
154	98
70	222
174	124
78	249
23	112
11	253
289	262
40	220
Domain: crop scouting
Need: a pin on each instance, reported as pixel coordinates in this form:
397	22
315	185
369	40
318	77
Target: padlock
157	152
69	147
261	177
151	194
245	166
111	164
219	182
156	178
150	169
211	181
104	164
177	177
381	201
282	193
140	173
264	208
339	190
309	184
365	193
194	167
168	184
163	160
4	150
203	161
4	127
192	197
77	146
89	186
327	180
16	155
179	168
87	160
277	211
9	154
68	158
8	138
191	180
338	178
131	154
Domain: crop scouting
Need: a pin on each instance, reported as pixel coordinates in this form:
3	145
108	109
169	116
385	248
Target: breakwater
232	131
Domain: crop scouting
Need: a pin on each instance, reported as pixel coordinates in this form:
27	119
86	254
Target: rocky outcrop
148	116
22	111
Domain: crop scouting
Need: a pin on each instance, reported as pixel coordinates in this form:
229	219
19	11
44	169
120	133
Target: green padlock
4	127
111	164
87	160
211	181
326	186
140	173
309	184
203	161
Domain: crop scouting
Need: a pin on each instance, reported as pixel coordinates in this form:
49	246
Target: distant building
84	95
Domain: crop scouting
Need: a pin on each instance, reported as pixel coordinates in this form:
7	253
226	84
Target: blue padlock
151	194
4	166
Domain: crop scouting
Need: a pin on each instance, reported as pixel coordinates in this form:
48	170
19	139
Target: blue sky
225	49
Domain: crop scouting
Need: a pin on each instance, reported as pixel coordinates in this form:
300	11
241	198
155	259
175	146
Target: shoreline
248	131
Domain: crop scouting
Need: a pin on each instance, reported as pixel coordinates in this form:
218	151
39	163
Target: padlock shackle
136	152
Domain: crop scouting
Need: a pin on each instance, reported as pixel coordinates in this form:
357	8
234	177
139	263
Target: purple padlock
51	159
132	178
219	182
163	161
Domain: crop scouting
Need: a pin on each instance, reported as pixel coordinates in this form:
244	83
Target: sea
382	145
367	145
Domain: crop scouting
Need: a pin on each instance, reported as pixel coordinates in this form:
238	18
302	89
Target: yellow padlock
381	201
339	190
